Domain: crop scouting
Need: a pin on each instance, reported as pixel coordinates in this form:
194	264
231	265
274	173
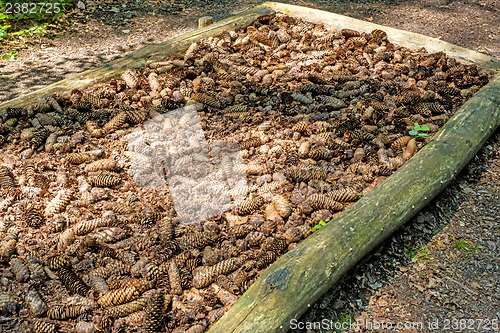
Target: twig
461	285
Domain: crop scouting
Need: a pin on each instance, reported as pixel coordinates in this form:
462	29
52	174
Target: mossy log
139	58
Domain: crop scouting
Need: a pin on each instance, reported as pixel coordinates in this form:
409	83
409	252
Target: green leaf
423	135
59	15
317	226
413	132
13	55
425	128
322	223
20	33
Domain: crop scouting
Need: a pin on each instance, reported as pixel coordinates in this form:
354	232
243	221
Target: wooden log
401	37
286	289
138	58
205	21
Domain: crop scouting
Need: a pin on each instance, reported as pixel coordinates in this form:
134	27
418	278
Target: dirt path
441	266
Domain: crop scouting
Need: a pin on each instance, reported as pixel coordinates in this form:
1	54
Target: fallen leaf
440	245
432	283
475	285
419	287
383	302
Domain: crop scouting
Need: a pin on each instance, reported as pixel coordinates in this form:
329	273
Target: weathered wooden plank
205	21
401	37
298	278
138	58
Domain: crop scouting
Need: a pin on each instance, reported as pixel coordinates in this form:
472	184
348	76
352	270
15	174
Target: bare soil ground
443	265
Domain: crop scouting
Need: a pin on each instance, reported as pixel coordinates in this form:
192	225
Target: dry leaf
475	285
419	287
432	283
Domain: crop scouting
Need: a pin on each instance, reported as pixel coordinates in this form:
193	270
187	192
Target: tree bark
139	58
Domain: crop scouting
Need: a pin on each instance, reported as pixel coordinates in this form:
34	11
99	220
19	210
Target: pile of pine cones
91	240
